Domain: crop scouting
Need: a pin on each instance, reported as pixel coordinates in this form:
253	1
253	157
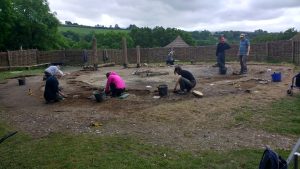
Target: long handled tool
7	136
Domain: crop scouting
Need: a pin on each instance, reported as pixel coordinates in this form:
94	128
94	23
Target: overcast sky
212	15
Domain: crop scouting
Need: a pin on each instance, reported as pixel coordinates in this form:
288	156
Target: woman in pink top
115	84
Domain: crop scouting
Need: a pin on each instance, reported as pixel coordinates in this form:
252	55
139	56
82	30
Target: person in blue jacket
220	53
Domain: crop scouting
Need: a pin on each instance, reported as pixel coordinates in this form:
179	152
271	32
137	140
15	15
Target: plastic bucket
163	90
99	96
276	77
22	81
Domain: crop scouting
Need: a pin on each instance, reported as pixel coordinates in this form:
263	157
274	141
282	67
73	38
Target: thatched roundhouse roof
178	42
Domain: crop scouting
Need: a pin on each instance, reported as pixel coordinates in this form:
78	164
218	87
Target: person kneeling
186	80
115	85
52	91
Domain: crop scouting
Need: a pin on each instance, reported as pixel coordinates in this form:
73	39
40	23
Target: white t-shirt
53	70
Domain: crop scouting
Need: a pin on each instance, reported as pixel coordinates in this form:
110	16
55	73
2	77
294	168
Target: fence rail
279	51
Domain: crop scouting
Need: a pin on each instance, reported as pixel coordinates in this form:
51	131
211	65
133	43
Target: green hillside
86	30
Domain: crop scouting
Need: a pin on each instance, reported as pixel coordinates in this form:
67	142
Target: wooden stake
138	57
124	46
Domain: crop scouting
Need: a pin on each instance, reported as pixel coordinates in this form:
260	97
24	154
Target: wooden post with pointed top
138	57
124	46
94	52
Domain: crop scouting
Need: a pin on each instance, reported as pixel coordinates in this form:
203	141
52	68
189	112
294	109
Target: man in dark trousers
186	80
52	91
220	53
243	53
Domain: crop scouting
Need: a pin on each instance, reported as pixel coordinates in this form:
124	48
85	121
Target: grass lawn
80	30
280	117
88	151
18	73
60	150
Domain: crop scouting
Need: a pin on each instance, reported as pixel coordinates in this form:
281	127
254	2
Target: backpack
297	80
271	160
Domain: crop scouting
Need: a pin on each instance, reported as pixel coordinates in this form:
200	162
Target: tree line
31	25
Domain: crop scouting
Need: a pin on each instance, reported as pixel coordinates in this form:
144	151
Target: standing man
220	53
243	53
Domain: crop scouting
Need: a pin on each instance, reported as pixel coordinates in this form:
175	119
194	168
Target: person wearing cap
243	53
186	80
115	85
220	53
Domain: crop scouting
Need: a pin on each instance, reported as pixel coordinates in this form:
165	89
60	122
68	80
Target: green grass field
60	150
19	73
88	151
80	30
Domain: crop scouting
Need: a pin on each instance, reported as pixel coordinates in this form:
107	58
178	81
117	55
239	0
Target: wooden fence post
94	53
267	49
293	52
64	56
138	57
124	46
9	61
37	54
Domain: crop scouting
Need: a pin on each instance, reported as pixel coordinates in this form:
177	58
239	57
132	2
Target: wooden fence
279	51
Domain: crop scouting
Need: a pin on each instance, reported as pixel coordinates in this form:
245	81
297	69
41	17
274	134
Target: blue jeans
221	60
186	84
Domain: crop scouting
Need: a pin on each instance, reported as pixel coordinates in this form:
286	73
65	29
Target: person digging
115	85
186	81
52	91
53	70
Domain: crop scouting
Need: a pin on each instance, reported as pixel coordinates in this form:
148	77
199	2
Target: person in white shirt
53	71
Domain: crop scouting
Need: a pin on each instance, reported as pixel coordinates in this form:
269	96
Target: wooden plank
197	93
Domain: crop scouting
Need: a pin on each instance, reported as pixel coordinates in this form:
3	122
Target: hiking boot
182	92
215	65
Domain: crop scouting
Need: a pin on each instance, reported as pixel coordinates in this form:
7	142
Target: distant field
80	30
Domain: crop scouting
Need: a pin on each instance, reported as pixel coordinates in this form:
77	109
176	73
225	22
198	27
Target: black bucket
163	90
99	96
22	81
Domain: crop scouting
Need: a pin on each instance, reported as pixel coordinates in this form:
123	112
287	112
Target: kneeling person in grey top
186	80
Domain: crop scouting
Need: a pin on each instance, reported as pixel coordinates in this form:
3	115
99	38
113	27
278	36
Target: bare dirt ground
180	121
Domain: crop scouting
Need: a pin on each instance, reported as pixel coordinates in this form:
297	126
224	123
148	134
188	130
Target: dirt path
182	122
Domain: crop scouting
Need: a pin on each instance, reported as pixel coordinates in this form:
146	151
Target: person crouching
52	91
186	80
115	85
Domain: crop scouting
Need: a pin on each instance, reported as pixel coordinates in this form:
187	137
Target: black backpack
271	160
297	80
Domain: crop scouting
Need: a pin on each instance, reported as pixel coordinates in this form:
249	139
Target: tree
117	26
31	23
132	26
112	40
68	22
288	34
7	20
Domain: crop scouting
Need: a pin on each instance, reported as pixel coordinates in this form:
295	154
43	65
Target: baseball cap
242	35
